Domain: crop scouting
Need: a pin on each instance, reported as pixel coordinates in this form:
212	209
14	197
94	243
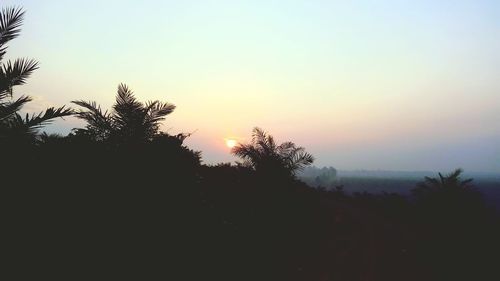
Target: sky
391	85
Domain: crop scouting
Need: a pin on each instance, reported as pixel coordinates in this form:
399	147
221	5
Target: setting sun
231	143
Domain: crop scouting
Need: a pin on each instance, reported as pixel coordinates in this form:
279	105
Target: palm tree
446	183
13	126
130	121
449	198
263	154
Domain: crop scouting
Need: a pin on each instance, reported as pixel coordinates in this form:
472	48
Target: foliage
449	189
130	121
264	155
450	181
15	128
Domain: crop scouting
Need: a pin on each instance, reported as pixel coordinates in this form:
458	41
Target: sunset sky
395	85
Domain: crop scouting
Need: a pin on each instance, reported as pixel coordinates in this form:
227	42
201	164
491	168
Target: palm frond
243	150
43	118
258	135
448	182
93	115
11	20
99	123
124	95
299	159
263	141
129	121
157	109
128	112
263	152
155	112
270	143
455	174
432	181
8	109
285	148
15	74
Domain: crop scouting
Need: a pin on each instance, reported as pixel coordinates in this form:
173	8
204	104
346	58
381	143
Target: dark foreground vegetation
120	199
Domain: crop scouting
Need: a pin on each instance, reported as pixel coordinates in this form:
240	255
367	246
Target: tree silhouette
13	126
130	121
264	155
447	183
453	225
449	201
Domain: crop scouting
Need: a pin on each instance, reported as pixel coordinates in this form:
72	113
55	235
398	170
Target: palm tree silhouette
13	126
263	154
449	182
130	121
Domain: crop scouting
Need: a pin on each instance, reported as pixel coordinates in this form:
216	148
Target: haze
401	85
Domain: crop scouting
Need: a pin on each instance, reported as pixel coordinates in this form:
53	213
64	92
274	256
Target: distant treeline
319	177
378	182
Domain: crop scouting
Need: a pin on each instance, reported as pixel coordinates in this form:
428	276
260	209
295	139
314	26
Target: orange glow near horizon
360	85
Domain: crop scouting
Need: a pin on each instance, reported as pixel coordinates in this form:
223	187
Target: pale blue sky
405	85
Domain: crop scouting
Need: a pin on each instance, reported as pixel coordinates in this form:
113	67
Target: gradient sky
401	85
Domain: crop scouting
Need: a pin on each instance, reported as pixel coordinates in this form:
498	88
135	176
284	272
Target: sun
231	143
